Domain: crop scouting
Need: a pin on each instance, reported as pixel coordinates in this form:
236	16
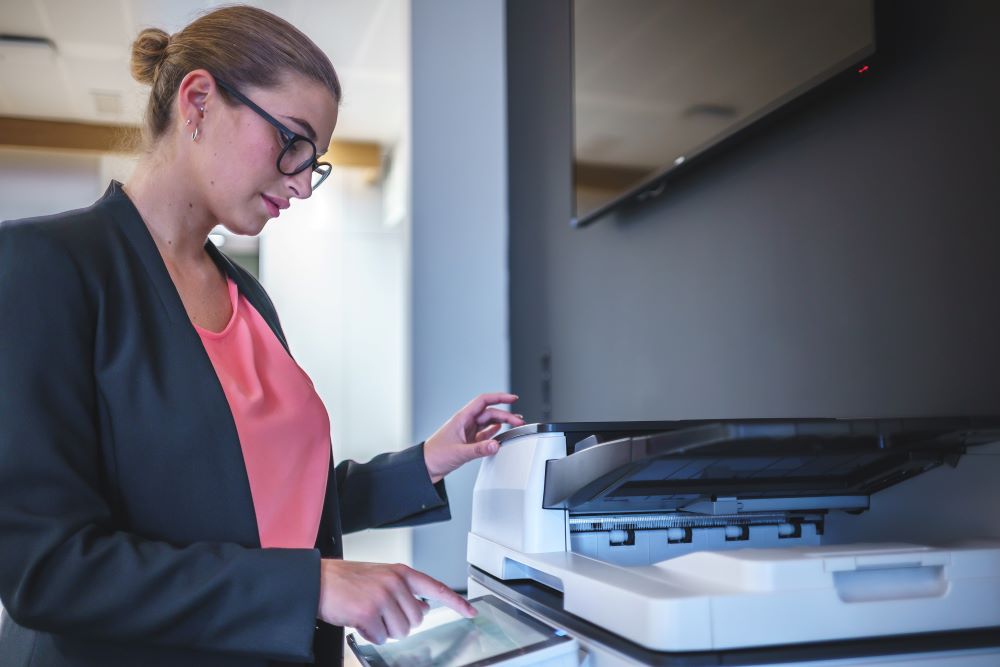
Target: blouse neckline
234	300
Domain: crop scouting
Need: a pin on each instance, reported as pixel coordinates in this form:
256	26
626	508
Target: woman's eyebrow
304	124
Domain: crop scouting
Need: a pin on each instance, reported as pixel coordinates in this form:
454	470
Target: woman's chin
247	228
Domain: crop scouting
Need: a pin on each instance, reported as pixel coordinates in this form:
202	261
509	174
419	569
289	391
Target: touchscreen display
445	638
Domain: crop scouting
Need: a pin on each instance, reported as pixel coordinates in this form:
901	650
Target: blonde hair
244	46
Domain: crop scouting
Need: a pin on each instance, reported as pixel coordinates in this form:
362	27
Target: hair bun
149	50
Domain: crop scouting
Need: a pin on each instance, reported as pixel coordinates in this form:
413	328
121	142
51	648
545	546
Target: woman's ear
193	95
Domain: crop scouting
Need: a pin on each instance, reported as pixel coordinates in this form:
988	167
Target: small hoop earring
194	135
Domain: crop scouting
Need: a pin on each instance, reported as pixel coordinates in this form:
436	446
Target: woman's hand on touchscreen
379	600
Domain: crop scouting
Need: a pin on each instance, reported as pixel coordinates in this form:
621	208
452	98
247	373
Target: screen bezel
653	186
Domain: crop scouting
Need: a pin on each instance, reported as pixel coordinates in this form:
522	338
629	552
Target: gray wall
459	237
843	261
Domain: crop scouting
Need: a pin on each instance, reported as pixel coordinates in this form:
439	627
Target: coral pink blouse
284	429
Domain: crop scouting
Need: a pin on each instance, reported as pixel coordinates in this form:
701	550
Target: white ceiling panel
339	28
40	85
75	21
20	18
388	40
168	16
365	39
103	74
88	77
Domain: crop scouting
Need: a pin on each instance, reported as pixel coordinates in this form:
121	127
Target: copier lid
667	466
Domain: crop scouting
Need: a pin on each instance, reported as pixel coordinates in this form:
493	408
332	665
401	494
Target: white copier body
733	542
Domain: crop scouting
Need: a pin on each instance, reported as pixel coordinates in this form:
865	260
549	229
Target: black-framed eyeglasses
298	153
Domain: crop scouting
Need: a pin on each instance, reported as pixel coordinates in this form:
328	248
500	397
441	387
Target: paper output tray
688	462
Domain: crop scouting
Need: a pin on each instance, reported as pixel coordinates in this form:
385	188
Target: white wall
458	244
43	182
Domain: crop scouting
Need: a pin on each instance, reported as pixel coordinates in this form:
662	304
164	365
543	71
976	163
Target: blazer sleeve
64	567
391	490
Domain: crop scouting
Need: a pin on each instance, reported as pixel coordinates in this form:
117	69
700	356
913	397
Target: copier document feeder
730	542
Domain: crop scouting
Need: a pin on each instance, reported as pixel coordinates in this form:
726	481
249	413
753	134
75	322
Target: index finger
432	589
481	402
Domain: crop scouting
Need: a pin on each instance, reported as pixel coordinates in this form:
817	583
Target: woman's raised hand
468	434
378	600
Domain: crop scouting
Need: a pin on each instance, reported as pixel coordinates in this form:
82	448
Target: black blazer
127	529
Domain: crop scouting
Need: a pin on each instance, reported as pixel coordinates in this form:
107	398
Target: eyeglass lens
296	157
320	173
300	155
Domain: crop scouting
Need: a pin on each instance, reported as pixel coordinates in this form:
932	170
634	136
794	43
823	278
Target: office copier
734	542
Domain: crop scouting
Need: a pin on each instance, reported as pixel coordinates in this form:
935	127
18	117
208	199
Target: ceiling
86	76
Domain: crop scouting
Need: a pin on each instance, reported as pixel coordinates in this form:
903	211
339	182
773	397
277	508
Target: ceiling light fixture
27	41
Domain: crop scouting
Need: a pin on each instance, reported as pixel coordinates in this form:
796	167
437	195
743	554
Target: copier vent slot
738	533
621	538
679	535
633	539
790	530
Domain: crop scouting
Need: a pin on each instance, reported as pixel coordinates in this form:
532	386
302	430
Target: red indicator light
862	69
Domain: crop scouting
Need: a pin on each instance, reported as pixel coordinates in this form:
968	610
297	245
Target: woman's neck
177	219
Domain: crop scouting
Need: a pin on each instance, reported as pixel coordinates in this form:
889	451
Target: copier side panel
507	498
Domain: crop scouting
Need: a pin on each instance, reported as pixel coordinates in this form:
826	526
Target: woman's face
243	187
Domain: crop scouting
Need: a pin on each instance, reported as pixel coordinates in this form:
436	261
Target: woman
166	490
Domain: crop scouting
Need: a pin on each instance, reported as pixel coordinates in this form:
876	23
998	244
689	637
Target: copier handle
890	583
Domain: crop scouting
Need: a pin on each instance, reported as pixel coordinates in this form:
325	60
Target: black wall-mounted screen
657	83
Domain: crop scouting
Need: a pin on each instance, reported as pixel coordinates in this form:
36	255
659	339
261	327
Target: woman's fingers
401	610
397	624
375	598
432	589
413	608
381	601
374	631
486	448
481	402
467	434
498	416
488	432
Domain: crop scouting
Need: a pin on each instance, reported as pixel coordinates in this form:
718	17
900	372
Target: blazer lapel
251	290
206	397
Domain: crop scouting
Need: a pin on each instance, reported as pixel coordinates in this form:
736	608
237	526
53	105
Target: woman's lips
273	206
